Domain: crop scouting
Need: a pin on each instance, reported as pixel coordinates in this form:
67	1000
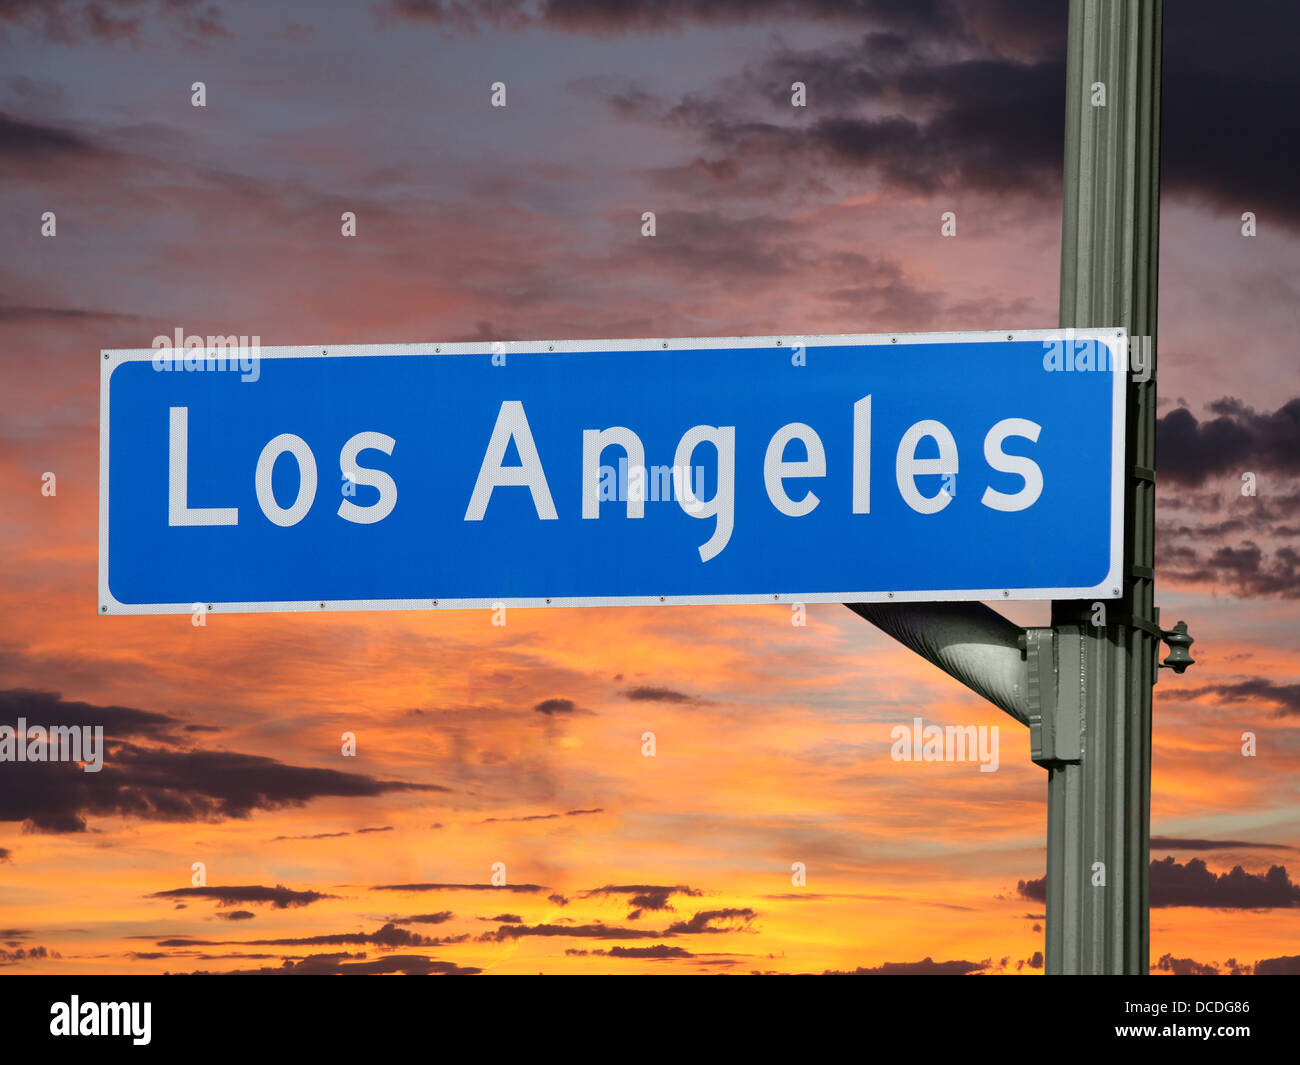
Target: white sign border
1115	340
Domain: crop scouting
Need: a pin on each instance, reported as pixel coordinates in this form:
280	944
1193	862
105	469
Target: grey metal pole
1099	805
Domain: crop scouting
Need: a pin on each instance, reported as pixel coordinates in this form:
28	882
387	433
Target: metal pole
1099	806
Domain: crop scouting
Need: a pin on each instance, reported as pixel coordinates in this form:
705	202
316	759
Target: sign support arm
969	641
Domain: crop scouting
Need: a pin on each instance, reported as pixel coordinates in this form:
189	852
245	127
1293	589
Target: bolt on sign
895	467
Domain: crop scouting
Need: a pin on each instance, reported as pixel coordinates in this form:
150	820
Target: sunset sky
522	744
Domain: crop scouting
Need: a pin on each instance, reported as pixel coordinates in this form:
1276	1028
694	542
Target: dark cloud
660	951
625	16
1172	843
1015	25
1036	890
335	835
974	125
925	967
1245	569
41	707
520	888
1288	965
237	915
13	957
441	917
1194	884
11	315
110	21
648	694
822	896
728	920
582	931
234	954
165	785
1225	141
1205	502
318	835
6	855
484	332
1236	439
699	246
1286	697
37	142
920	119
991	120
1184	966
558	899
280	897
337	965
555	706
1279	506
156	783
540	817
504	918
644	896
388	936
1208	531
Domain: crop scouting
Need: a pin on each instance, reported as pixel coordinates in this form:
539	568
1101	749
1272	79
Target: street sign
897	467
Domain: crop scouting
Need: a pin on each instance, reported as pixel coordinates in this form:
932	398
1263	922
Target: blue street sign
940	466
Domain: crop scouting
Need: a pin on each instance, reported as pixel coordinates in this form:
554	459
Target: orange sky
522	744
